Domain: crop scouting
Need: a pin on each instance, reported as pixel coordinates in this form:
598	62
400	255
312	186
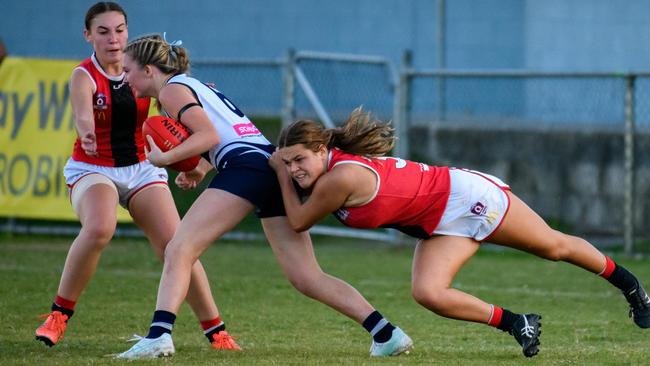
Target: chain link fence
312	85
327	87
342	83
572	145
255	85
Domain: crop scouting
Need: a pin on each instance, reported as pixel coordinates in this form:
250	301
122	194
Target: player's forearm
292	204
196	144
84	125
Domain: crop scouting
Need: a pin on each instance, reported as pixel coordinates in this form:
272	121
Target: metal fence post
629	182
402	115
11	225
289	81
398	115
442	59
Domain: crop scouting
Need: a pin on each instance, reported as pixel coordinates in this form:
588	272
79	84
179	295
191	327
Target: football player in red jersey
107	168
451	211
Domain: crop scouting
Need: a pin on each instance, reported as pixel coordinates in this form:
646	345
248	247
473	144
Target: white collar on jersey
101	70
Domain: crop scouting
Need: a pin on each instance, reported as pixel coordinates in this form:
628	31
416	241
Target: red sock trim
495	319
609	268
207	324
64	303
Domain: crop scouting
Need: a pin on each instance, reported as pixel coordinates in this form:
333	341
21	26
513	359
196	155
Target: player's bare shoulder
358	181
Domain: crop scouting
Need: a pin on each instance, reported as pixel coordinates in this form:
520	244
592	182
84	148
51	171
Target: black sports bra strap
185	108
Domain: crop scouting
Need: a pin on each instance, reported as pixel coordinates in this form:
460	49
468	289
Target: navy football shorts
246	173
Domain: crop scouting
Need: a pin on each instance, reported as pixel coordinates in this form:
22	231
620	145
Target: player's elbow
207	142
212	138
299	226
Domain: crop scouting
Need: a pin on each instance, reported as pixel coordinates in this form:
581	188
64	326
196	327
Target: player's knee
301	285
180	252
303	282
99	234
433	299
558	249
172	251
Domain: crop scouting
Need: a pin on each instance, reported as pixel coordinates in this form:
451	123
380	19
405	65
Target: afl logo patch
100	101
342	214
478	208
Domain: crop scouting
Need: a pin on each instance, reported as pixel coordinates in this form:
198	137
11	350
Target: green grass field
585	319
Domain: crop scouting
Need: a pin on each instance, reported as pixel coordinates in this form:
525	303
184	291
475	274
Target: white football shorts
477	204
127	180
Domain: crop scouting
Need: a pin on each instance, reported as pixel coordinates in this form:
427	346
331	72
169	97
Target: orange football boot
51	331
223	340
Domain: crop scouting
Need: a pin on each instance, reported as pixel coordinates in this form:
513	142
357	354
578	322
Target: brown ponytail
361	135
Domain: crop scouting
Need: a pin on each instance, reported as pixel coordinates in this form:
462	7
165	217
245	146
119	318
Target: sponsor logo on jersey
100	102
118	86
100	115
246	129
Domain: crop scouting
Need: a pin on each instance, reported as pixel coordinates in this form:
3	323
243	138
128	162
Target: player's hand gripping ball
168	133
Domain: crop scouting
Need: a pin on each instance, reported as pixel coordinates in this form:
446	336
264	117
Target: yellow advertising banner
36	138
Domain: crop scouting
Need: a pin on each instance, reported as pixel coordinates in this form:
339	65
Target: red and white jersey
410	196
118	118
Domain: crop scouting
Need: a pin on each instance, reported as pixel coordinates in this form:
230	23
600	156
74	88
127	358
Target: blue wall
237	28
485	34
546	35
594	35
550	35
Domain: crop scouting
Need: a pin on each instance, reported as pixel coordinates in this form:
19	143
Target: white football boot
146	348
398	343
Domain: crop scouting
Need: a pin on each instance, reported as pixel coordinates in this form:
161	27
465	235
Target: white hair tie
174	43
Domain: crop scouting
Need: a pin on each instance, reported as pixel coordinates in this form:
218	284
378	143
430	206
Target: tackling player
451	211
